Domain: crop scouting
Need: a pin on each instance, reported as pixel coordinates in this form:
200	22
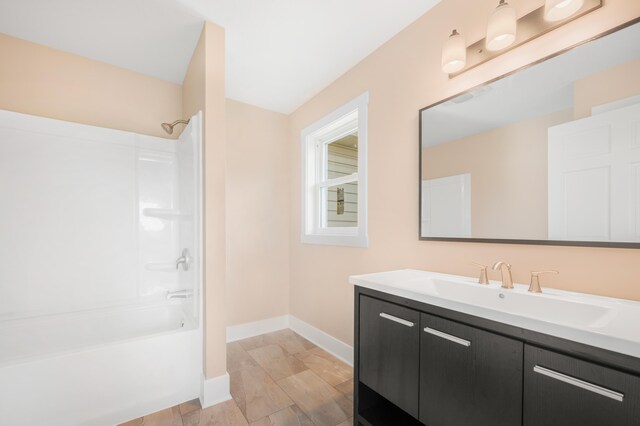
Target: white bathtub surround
603	322
92	223
327	342
214	391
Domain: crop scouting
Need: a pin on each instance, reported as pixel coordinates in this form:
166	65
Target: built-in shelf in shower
160	266
169	214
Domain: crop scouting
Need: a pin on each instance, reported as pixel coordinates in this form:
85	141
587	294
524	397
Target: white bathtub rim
90	348
148	302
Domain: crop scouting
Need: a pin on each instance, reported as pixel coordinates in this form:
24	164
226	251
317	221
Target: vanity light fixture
454	53
501	31
505	32
557	10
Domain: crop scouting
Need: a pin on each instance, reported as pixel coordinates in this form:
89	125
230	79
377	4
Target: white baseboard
214	391
329	343
251	329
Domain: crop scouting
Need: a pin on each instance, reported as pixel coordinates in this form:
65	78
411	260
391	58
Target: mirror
547	155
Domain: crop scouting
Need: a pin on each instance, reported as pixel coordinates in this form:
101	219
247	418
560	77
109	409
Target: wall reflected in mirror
549	153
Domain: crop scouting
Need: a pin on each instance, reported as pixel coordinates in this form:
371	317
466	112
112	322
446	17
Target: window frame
314	142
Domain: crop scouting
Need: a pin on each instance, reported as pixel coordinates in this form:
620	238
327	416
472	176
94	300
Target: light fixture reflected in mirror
557	10
501	31
454	53
505	31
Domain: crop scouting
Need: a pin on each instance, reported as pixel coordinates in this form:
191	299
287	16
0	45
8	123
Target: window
334	177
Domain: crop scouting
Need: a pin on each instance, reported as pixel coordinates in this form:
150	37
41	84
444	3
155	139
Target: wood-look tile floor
276	379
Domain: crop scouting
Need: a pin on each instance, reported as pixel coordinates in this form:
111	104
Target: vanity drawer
390	351
561	390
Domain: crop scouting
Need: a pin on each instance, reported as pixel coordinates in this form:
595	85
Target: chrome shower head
169	127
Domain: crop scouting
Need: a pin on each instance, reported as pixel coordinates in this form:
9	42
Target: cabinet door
561	390
468	376
389	351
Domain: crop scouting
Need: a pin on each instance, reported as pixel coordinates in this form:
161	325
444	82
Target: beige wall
508	167
257	213
403	76
607	86
203	90
41	81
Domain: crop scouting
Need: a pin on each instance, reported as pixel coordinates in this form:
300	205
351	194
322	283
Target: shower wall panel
78	222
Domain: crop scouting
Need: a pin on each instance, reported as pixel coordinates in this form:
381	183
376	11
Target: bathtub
98	367
91	225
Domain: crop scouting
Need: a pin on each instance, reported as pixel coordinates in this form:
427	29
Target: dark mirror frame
514	241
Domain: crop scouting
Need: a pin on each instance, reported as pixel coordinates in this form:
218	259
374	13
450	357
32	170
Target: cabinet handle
448	337
579	383
396	319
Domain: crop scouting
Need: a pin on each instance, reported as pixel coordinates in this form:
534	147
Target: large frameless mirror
547	155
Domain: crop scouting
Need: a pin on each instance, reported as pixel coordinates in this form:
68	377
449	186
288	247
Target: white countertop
603	322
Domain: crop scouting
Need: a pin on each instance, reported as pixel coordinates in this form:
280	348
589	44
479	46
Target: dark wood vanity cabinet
419	364
468	376
389	352
562	390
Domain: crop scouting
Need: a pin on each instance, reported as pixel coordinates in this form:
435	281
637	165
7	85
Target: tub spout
179	294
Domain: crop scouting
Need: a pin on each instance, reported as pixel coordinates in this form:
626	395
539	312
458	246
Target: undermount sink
595	320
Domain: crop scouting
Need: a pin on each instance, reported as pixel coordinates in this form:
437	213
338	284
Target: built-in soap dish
168	214
160	266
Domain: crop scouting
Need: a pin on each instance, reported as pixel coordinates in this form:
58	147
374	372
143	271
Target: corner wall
257	202
46	82
403	76
203	90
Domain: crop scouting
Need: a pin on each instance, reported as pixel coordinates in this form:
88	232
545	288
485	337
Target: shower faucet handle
184	260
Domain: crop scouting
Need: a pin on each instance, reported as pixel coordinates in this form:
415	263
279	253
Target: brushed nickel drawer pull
448	337
579	383
396	319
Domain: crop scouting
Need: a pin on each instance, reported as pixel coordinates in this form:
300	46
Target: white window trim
311	233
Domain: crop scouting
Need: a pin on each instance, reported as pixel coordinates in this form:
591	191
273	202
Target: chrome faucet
179	294
184	260
534	285
505	269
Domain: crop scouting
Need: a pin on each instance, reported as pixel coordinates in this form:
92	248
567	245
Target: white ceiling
537	91
154	37
279	52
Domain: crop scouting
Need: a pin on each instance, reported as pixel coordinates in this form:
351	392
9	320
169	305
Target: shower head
169	127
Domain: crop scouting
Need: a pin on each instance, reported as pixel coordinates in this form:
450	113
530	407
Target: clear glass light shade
557	10
501	31
454	54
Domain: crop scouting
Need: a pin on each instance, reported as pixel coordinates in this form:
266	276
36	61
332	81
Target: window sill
337	240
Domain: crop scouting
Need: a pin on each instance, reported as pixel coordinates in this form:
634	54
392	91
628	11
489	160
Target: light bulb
557	10
454	53
501	31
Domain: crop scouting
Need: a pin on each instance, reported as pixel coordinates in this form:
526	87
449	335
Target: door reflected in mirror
548	154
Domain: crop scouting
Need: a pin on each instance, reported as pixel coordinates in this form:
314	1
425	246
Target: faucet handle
534	286
185	260
483	278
